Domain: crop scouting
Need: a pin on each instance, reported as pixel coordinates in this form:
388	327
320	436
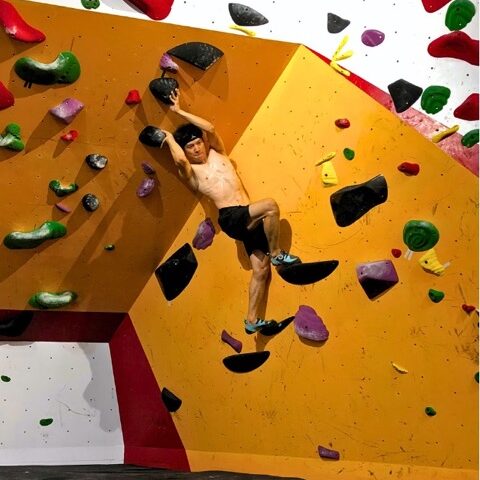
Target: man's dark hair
186	133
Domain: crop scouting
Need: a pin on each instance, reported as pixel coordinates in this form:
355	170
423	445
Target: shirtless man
202	162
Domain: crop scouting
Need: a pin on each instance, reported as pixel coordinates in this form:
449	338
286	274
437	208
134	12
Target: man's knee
272	206
261	271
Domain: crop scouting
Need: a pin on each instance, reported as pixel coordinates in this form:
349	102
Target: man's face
195	151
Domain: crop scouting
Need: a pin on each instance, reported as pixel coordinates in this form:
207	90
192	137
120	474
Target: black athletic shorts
234	221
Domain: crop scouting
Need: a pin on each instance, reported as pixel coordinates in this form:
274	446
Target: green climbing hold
434	98
436	296
64	69
459	14
5	378
420	235
430	411
45	422
11	139
470	138
52	300
61	191
109	247
88	4
47	231
348	153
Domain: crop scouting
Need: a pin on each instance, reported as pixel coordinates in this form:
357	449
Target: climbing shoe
251	328
284	258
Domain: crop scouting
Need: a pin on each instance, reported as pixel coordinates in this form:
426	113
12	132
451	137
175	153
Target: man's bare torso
218	180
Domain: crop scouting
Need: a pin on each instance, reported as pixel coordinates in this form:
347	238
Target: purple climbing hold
204	236
309	325
146	187
376	277
325	452
147	168
233	342
372	38
67	110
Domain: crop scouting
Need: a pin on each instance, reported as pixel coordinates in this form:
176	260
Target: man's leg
258	284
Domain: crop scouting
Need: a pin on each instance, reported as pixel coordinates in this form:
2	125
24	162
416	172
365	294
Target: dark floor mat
119	472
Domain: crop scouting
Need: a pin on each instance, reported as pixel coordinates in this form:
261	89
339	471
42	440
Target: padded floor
118	472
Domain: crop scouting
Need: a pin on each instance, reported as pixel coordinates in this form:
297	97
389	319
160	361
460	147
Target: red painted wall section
149	434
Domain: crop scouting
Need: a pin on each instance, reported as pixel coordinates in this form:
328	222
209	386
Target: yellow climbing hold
398	368
326	158
339	69
343	56
430	262
329	176
340	47
249	32
446	133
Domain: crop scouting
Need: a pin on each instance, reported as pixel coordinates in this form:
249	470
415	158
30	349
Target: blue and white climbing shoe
251	328
284	258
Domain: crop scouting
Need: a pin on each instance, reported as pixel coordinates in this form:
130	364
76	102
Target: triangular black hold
350	203
176	272
306	273
246	16
404	94
199	54
336	24
162	88
152	136
171	401
277	327
13	324
245	362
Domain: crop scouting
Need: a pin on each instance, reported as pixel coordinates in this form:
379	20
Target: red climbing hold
434	5
155	9
455	45
16	27
342	123
133	97
468	110
409	168
468	308
396	252
70	136
6	97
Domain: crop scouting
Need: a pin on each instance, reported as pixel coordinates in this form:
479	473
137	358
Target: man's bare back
218	180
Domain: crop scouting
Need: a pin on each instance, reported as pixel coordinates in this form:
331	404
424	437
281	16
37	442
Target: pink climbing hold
67	110
409	168
16	27
133	98
396	252
376	277
468	110
155	9
309	325
434	5
70	136
372	38
6	97
167	64
63	208
204	236
455	45
233	342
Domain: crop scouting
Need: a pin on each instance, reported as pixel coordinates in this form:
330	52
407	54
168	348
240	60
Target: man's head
190	138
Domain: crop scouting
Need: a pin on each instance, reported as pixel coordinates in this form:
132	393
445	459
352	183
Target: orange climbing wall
343	394
116	54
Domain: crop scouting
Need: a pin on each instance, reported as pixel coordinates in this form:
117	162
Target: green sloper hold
430	411
348	153
52	300
88	4
64	69
459	14
45	422
434	98
436	296
420	235
61	191
47	231
470	138
11	139
5	378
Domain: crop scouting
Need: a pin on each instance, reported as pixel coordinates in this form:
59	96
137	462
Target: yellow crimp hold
446	133
329	176
326	158
339	48
398	368
250	33
339	69
430	262
343	56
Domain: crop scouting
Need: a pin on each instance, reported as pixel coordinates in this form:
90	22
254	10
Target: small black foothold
404	94
90	202
336	24
171	401
96	161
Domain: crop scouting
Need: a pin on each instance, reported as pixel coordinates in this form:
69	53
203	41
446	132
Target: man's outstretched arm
214	139
185	170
